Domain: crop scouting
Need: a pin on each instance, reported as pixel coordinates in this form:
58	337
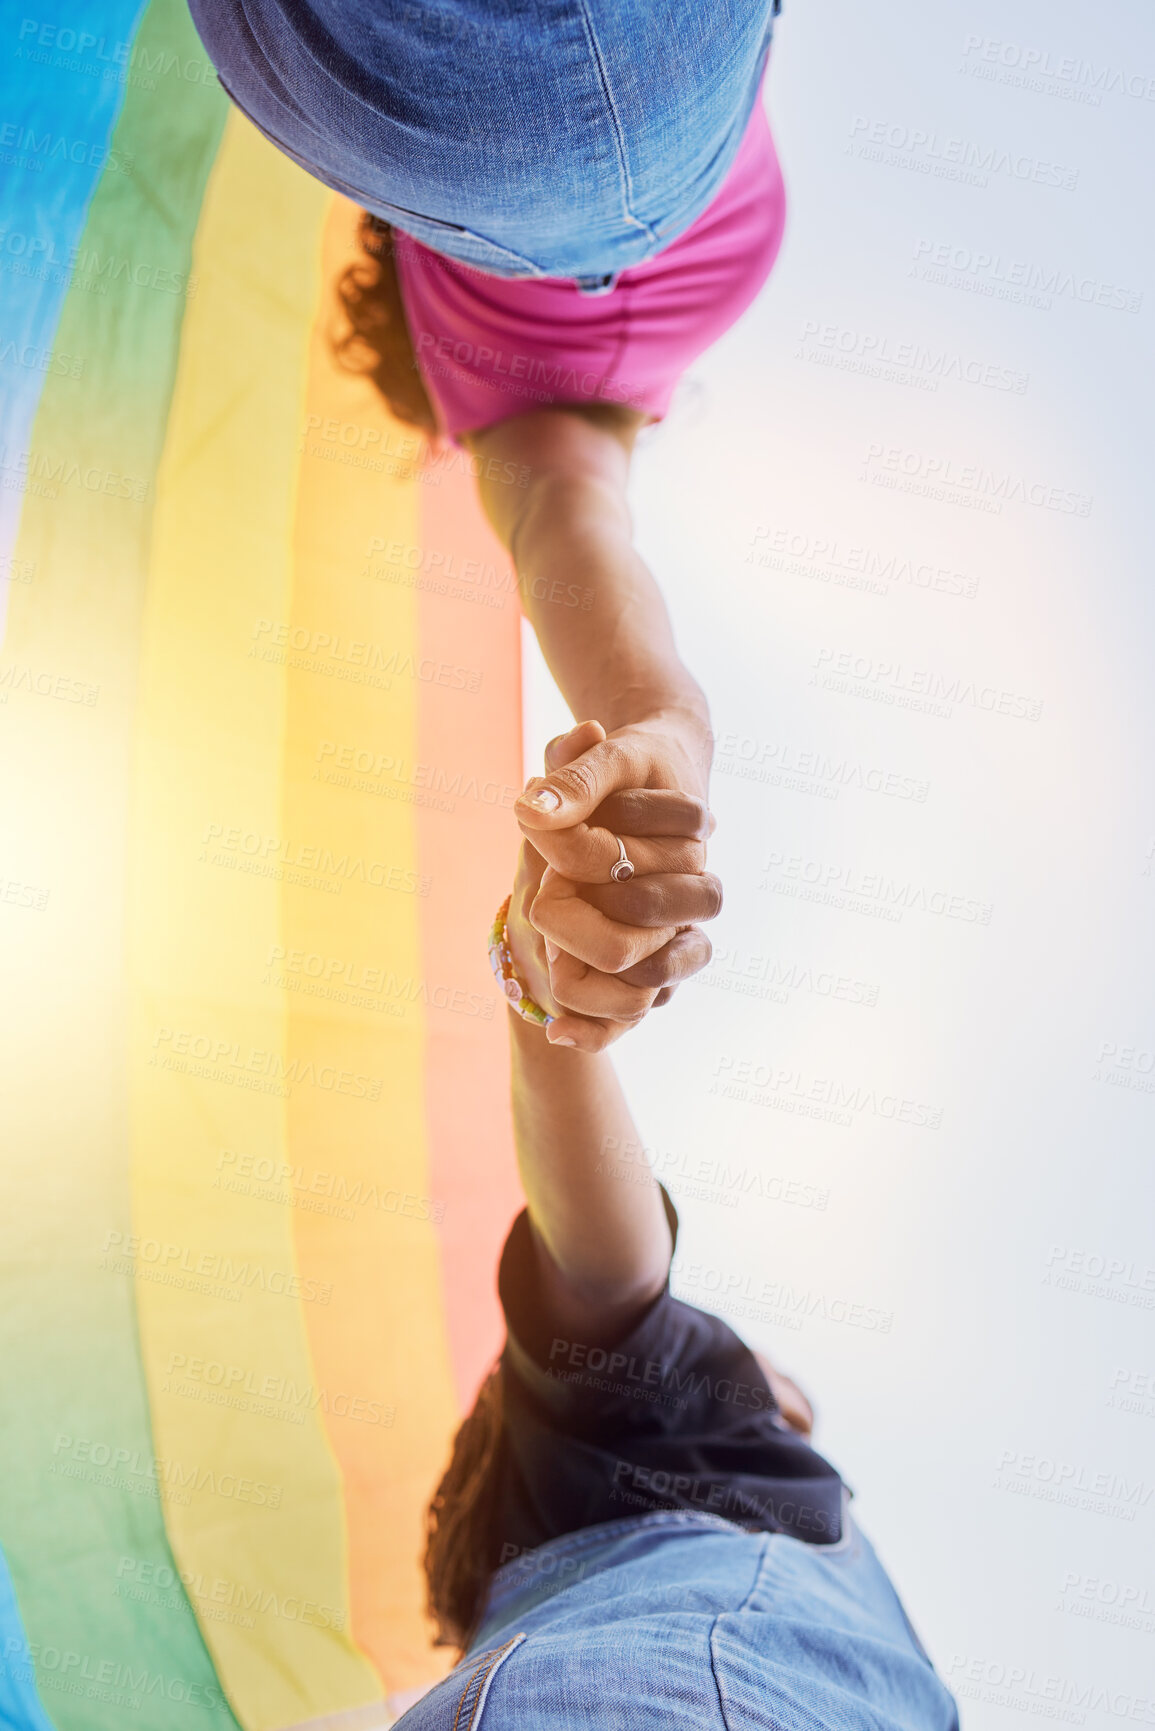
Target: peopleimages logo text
1020	276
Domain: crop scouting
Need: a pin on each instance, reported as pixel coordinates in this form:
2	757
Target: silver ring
623	867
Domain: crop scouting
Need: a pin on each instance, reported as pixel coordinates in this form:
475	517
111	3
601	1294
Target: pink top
490	347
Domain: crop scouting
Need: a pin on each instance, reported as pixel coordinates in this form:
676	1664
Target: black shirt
675	1415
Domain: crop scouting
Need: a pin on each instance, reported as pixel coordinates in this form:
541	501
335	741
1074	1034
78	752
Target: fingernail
545	799
552	950
562	1040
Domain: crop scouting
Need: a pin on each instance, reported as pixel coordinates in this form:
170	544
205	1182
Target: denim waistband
572	139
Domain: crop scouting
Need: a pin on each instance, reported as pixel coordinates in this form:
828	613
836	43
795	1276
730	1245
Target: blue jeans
559	138
687	1622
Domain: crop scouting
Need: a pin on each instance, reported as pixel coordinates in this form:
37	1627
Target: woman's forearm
593	1203
599	615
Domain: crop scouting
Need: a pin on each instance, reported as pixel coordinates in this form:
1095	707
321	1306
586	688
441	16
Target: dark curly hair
461	1537
377	341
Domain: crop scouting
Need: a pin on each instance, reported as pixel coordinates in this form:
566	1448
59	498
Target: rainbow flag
260	713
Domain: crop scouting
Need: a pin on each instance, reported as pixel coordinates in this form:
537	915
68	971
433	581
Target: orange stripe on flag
473	754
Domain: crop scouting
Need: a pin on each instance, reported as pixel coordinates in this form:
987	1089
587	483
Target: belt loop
597	285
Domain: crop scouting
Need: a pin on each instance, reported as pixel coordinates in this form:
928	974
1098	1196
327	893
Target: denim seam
771	1695
619	136
531	270
496	1658
715	1676
759	1573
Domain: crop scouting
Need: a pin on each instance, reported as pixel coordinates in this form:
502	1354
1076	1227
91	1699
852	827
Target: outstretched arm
602	1239
606	1241
598	613
600	619
603	1243
600	1231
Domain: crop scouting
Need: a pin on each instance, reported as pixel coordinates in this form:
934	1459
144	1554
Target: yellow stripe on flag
252	1495
358	996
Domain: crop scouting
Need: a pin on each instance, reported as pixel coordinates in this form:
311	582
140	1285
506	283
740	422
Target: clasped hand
599	955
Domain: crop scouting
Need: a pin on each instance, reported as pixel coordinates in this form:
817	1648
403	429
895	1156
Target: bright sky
899	517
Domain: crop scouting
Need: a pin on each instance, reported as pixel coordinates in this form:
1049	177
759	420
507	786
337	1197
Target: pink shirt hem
490	347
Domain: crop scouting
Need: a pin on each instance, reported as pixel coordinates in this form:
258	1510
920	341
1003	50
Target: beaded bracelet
501	961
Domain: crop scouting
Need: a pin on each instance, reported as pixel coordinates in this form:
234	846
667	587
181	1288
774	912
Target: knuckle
698	951
649	974
579	779
573	854
617	757
698	814
619	954
655	971
537	915
579	856
634	1009
646	901
712	889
